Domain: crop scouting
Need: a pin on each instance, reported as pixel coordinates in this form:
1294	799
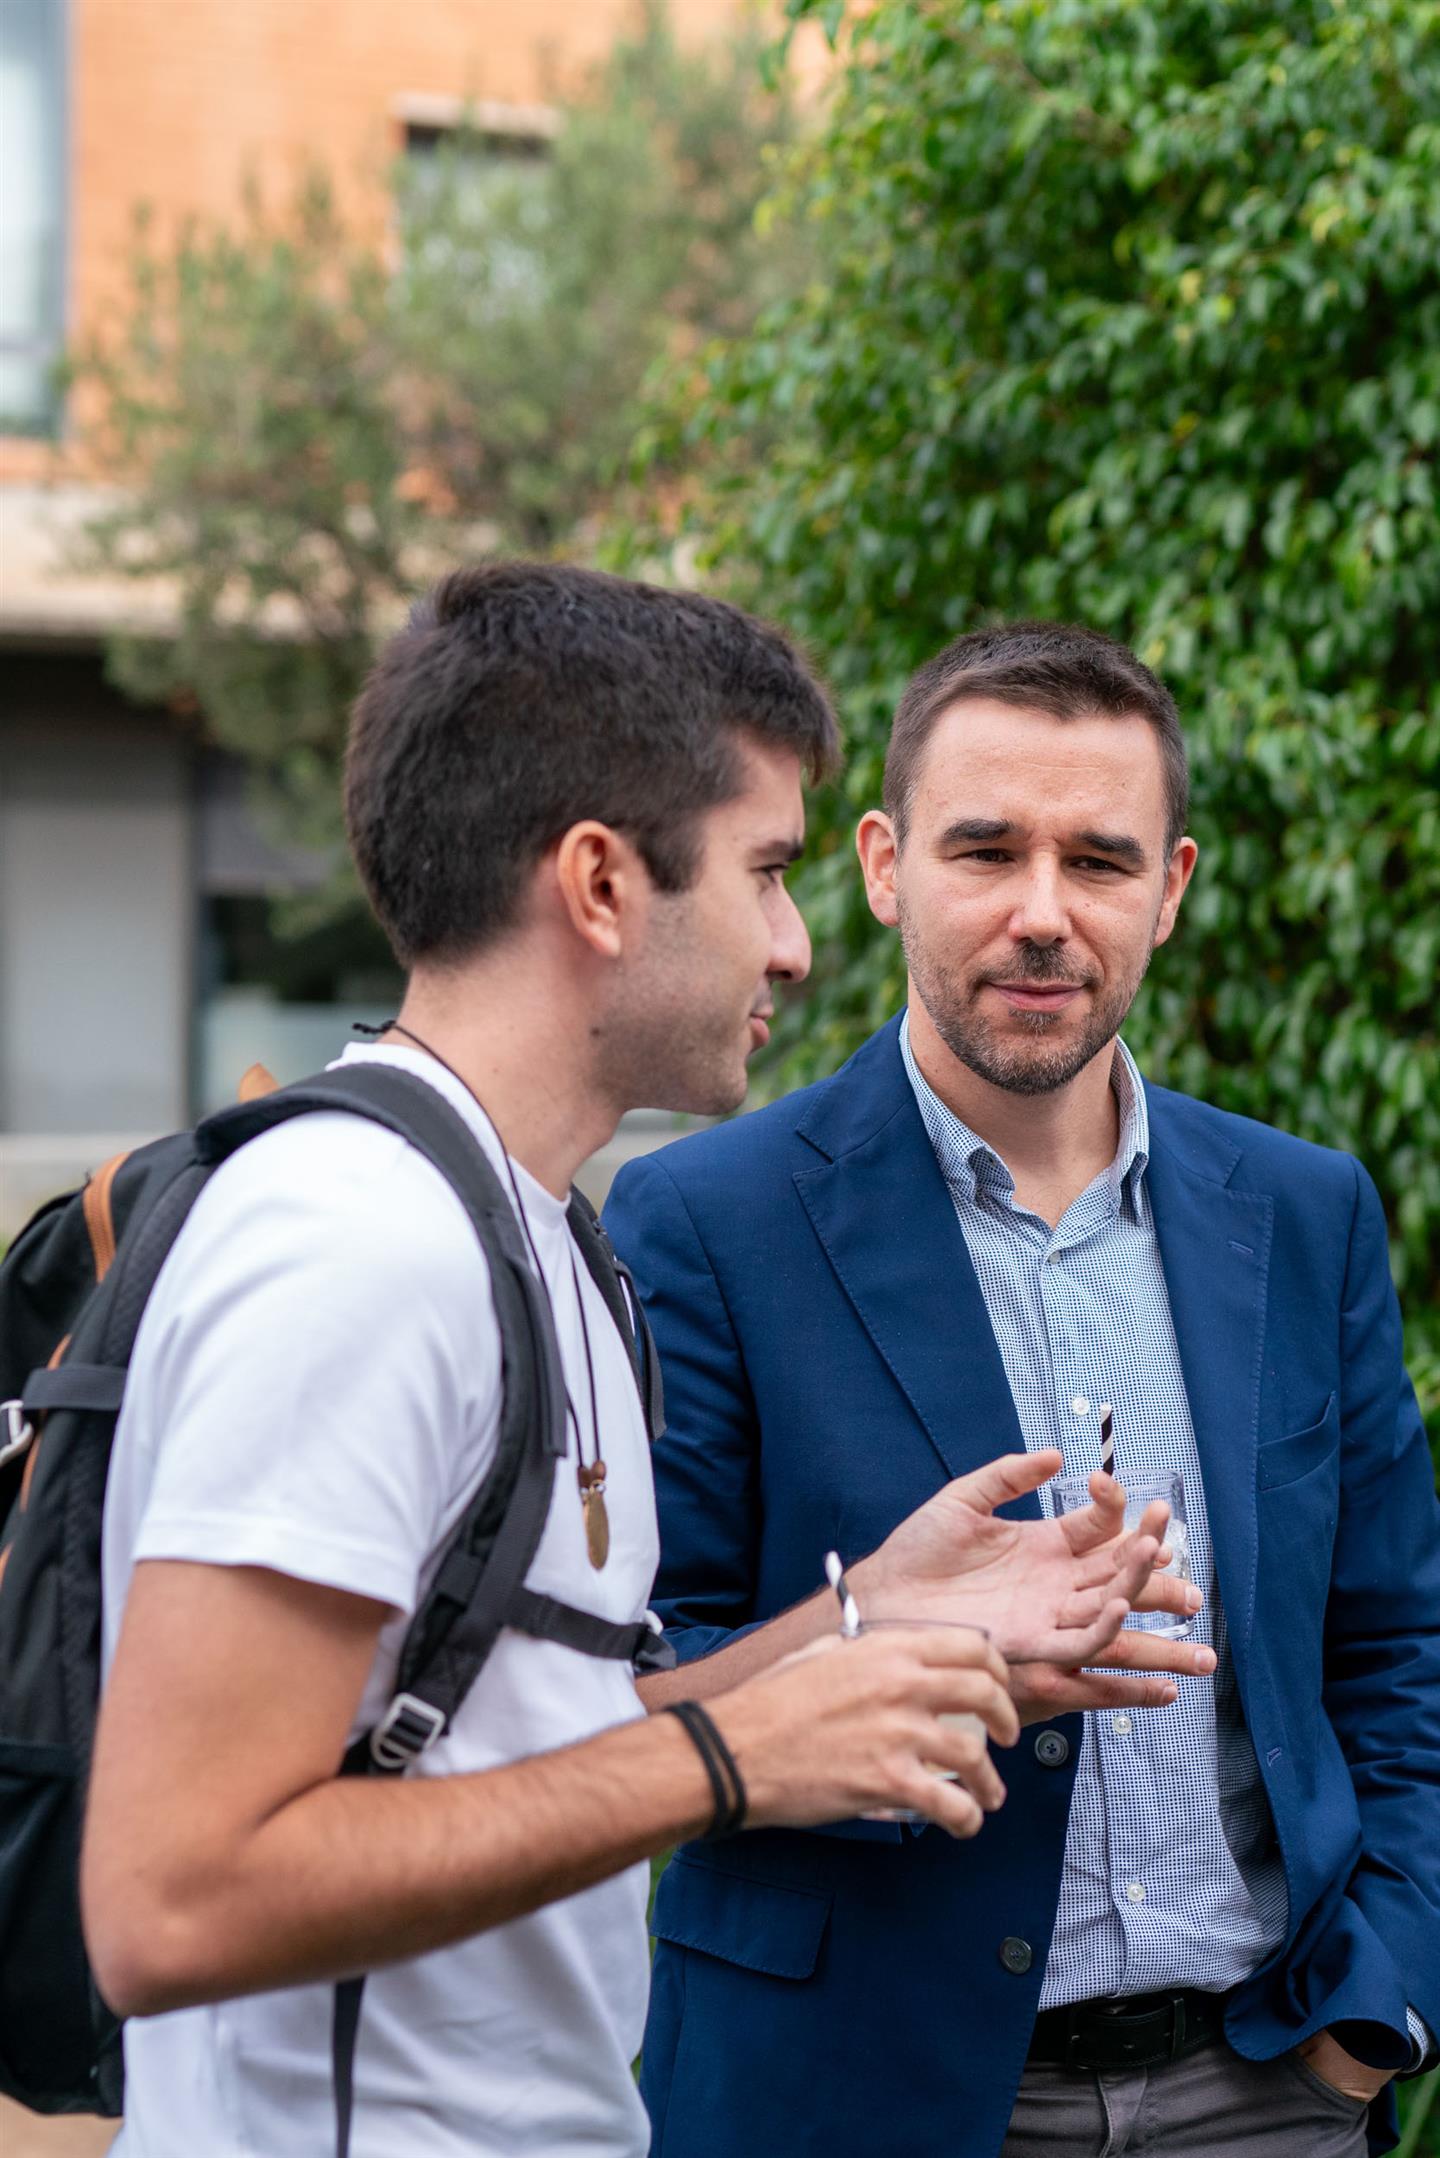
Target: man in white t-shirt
572	801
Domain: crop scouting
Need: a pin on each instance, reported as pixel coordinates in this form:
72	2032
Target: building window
471	194
515	131
32	211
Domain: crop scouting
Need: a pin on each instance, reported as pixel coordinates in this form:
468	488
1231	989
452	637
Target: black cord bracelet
726	1782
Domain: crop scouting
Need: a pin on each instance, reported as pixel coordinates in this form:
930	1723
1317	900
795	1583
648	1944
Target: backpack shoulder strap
408	1106
617	1285
93	1379
490	1553
480	1584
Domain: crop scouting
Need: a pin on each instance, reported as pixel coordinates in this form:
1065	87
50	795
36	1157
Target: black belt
1140	2032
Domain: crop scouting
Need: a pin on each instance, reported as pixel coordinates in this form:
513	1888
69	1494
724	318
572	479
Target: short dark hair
526	696
1054	667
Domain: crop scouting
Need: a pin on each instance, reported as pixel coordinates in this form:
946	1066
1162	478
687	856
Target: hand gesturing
1052	1594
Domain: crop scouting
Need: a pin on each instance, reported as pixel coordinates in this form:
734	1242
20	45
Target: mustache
1041	966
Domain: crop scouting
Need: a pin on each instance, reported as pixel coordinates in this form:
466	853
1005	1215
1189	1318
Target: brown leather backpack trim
255	1082
29	1477
98	1220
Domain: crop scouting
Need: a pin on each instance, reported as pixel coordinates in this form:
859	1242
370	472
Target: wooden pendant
597	1520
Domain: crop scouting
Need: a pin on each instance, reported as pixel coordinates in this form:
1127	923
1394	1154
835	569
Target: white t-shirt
315	1388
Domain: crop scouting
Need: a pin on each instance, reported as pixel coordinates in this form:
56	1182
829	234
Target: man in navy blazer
1211	1927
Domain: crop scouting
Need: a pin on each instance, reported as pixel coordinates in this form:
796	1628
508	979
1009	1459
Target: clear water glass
963	1720
1073	1492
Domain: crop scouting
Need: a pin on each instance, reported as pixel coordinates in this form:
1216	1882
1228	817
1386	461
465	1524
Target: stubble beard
1036	1064
662	1046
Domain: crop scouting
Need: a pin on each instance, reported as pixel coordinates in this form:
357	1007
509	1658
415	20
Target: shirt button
1079	1406
1052	1749
1016	1955
1052	1258
1121	1726
1135	1891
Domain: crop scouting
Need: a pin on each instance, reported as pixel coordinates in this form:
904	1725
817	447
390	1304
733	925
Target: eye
1096	861
984	854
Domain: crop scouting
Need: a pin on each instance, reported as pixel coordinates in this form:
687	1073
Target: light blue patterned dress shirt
1172	1873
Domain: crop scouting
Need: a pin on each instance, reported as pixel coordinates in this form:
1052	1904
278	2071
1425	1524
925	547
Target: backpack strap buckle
16	1431
654	1653
408	1727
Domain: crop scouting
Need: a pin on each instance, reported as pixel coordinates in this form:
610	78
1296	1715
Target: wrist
873	1584
693	1806
727	1785
757	1741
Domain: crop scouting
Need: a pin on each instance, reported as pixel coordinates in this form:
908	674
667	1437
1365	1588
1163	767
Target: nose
1040	915
789	943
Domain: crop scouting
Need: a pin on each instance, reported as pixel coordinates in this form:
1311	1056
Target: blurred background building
137	974
1116	313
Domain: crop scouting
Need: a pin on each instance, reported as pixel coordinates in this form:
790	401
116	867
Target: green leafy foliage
1131	315
311	428
538	293
248	403
1419	2132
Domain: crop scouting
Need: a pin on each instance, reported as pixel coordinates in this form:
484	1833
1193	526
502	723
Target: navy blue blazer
829	1363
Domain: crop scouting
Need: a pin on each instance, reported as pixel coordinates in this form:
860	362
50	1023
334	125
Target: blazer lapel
887	1225
1215	1250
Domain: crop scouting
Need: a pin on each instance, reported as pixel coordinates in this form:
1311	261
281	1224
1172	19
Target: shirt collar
969	1165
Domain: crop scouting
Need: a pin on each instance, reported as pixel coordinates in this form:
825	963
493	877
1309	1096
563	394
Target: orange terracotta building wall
173	102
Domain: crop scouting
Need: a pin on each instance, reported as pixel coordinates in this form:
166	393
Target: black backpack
72	1291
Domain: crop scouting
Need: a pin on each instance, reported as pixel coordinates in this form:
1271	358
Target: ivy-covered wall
1131	315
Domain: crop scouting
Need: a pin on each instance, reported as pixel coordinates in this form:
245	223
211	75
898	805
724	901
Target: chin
698	1093
726	1095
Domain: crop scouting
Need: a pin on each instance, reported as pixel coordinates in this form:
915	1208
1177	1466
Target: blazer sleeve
706	1465
1382	1626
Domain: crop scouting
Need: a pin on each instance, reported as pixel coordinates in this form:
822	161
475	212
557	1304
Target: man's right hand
852	1727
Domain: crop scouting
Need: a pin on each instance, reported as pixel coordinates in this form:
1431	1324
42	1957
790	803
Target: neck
519	1045
1052	1144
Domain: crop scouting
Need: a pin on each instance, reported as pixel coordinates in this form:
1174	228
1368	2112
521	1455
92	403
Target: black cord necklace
589	1474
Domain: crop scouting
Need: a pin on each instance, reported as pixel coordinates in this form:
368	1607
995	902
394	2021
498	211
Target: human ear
879	853
598	881
1180	869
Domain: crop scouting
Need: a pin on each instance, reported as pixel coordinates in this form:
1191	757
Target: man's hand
1052	1595
1043	1690
1045	1591
1326	2058
852	1727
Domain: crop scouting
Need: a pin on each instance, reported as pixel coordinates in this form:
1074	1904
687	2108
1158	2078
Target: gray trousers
1212	2104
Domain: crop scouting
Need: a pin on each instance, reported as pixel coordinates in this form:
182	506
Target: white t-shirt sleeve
318	1369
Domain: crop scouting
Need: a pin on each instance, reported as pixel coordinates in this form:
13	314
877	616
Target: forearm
359	1872
754	1651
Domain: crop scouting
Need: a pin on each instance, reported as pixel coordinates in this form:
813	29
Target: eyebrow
787	849
984	831
978	830
1120	844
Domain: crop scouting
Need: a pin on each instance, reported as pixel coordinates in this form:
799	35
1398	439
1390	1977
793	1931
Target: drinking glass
961	1720
1073	1492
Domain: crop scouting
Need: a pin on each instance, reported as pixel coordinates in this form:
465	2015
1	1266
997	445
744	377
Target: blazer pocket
756	1924
1284	1460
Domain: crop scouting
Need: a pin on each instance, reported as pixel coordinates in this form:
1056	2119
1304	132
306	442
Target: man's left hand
1326	2058
1132	1673
1054	1591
